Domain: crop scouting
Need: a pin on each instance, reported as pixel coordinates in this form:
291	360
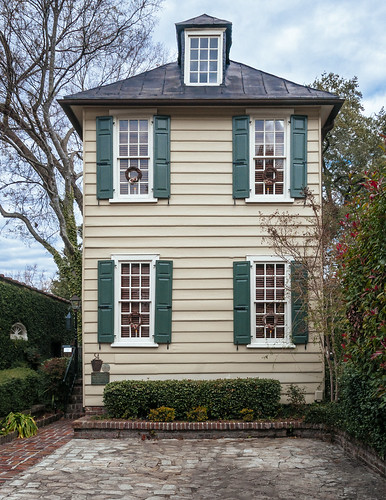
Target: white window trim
204	32
117	197
265	198
271	343
129	342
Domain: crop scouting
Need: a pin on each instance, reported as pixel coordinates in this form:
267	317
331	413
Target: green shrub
162	414
247	414
20	388
224	398
323	413
197	414
362	413
55	390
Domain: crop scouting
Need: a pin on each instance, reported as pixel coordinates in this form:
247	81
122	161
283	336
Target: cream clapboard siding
203	231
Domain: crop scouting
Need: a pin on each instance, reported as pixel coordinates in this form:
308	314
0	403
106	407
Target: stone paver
227	469
21	454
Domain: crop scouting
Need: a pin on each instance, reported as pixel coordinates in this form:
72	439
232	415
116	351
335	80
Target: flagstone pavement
227	469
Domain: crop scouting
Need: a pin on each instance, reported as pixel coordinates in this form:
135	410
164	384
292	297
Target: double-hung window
203	57
134	173
269	156
270	302
133	157
270	298
135	299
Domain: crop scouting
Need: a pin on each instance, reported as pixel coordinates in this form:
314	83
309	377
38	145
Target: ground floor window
134	292
270	301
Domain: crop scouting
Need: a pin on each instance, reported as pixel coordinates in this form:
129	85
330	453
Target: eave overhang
69	104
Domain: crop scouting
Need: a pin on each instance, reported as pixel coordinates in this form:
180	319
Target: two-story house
181	163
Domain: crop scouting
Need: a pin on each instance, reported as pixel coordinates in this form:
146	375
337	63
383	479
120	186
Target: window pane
279	125
193	77
204	66
269	125
203	78
203	43
213	66
214	42
194	55
193	65
194	43
212	77
203	54
213	55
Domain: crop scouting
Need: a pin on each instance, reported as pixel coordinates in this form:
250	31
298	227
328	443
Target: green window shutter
163	301
104	150
106	301
298	168
161	160
299	294
240	129
241	302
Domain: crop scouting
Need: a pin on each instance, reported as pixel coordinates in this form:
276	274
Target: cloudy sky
294	39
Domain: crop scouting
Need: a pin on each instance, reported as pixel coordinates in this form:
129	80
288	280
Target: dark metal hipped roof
164	84
243	85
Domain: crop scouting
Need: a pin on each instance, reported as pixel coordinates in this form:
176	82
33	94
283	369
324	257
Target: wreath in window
137	178
132	317
270	321
270	175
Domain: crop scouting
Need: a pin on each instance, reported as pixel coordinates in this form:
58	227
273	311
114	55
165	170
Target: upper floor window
269	172
203	57
134	160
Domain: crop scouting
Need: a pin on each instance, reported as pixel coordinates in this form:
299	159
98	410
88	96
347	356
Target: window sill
134	344
133	200
270	345
269	199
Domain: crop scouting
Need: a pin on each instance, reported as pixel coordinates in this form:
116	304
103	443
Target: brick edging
40	422
86	427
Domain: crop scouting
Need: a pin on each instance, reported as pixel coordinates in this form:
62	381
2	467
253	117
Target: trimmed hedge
42	315
224	398
20	391
363	415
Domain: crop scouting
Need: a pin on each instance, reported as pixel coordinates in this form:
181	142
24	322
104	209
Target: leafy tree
352	146
49	48
362	257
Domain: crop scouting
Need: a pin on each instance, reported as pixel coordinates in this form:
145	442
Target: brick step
76	398
75	407
74	416
77	389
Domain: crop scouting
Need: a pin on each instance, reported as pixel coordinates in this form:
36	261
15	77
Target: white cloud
15	256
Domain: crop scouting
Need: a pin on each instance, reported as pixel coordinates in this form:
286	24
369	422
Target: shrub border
89	428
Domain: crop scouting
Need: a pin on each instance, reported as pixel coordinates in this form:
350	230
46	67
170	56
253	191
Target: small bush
323	413
162	414
223	398
55	390
20	388
24	424
197	414
296	399
247	414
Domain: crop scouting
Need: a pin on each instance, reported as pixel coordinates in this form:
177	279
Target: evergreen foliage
224	399
43	317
